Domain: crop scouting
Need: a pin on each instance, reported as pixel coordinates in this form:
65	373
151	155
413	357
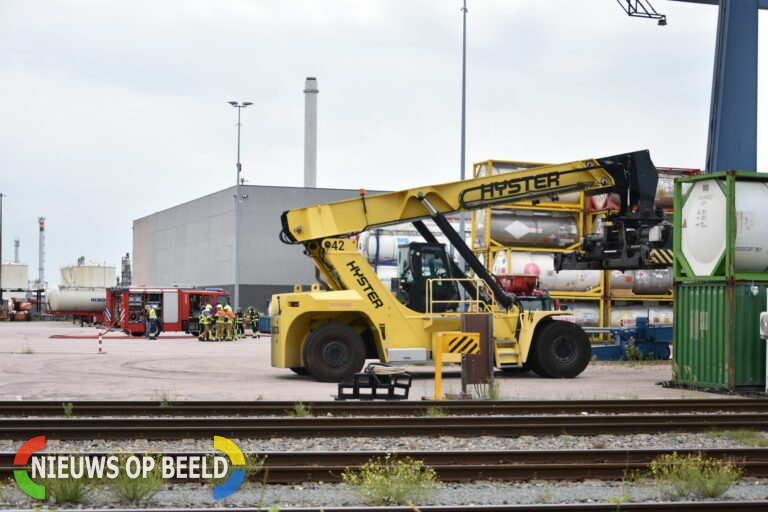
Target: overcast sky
113	110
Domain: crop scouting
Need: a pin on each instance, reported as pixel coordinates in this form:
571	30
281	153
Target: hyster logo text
110	467
366	284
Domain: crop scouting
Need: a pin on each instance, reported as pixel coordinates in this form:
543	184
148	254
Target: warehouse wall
192	244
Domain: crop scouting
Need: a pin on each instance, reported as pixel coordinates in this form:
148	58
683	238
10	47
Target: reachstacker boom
329	330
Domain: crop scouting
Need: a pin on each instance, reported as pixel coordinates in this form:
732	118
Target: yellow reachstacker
329	330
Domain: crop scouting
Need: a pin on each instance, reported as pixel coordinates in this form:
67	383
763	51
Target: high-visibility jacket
221	316
153	314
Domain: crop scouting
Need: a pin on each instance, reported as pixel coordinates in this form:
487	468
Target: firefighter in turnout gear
239	330
253	314
205	321
154	328
220	322
230	323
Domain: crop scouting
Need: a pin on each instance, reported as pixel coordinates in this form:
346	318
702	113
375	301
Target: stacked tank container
721	275
523	237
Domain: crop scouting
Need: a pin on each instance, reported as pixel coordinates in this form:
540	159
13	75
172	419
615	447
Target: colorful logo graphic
21	475
235	480
169	466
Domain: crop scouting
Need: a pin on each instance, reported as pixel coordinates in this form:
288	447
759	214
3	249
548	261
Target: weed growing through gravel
253	464
743	436
137	490
488	391
67	490
435	412
69	409
618	500
300	410
166	398
27	349
392	481
693	476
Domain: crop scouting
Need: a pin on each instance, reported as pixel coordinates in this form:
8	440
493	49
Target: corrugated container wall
717	335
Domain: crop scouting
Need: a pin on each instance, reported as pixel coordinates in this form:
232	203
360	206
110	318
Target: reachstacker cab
329	330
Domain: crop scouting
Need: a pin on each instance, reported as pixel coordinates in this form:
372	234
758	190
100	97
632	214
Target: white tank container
88	276
542	265
77	299
14	276
623	316
703	237
665	192
386	245
524	228
388	242
652	282
587	313
622	280
751	248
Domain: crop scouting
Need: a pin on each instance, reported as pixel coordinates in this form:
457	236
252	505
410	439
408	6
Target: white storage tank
622	280
704	223
92	275
626	315
77	299
652	282
529	228
542	265
587	313
14	276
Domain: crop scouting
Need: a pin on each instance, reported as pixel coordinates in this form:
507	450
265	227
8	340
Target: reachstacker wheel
560	350
334	352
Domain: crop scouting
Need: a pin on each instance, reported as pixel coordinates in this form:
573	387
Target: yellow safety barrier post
448	346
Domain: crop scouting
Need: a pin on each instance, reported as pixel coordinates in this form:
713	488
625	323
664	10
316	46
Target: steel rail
371	408
461	466
675	506
313	427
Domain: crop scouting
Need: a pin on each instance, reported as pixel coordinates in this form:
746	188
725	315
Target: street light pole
239	107
463	106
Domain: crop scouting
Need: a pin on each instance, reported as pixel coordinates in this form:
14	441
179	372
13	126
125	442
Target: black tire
185	326
12	318
334	352
560	350
299	370
29	317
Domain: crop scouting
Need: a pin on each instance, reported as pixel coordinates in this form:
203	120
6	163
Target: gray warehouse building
192	244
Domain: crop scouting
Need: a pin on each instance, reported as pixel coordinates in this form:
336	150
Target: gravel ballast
444	443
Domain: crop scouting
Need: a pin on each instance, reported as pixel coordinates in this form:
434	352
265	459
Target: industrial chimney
41	254
310	132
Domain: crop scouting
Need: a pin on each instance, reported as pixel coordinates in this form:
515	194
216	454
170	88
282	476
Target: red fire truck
177	308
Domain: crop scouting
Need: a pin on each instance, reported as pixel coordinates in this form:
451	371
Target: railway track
390	408
564	507
386	426
461	466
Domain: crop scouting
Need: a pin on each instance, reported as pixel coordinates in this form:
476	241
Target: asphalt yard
60	361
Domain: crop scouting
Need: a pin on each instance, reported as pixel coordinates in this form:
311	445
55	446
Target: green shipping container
717	340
